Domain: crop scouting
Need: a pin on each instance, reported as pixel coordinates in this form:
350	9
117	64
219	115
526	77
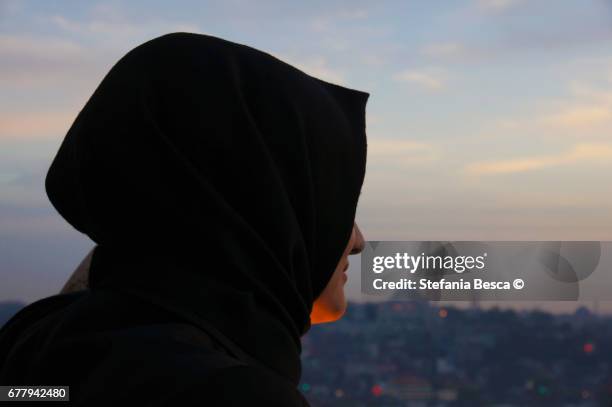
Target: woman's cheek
339	297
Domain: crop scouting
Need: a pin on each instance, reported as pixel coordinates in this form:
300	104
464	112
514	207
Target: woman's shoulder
98	345
241	385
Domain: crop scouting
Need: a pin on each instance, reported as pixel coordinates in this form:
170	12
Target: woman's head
331	304
218	180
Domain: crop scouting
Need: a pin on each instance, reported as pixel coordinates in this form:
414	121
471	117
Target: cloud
356	14
583	153
329	20
373	60
118	29
405	152
585	113
316	66
427	79
580	116
444	49
602	93
11	45
33	61
109	22
110	25
34	124
587	109
497	5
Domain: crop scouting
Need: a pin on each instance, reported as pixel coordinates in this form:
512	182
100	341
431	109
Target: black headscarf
218	182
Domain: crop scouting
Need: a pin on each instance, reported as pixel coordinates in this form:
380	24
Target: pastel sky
487	120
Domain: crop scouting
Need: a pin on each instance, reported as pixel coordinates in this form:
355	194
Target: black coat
113	349
220	185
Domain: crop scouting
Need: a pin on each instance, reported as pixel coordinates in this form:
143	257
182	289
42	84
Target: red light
588	347
377	390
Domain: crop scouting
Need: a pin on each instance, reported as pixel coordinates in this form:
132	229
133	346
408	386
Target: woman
220	185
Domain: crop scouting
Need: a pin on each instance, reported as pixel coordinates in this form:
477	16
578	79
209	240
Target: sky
487	119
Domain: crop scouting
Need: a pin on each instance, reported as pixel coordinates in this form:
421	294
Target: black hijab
219	182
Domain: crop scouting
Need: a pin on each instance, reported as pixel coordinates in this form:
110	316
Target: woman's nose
359	241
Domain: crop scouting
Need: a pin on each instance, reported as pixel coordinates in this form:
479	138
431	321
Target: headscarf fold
218	181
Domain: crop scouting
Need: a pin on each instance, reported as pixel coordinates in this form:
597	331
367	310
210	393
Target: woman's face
331	304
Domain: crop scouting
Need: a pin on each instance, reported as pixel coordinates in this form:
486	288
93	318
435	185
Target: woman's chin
333	312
